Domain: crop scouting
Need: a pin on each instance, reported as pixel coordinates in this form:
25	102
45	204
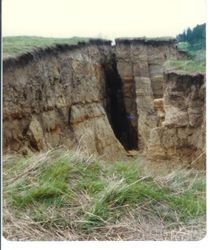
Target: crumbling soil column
140	66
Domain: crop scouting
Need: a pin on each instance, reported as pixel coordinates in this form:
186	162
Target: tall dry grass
63	195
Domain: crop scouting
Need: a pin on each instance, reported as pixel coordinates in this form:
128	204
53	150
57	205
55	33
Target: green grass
185	66
77	193
50	186
183	46
185	205
15	45
195	63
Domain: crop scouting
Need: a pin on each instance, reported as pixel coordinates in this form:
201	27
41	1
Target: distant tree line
196	37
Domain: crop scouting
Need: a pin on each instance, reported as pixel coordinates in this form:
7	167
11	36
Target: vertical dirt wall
104	99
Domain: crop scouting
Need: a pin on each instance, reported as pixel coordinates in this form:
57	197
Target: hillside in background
193	43
196	37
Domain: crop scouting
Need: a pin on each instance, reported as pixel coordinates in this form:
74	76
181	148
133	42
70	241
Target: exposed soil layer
104	99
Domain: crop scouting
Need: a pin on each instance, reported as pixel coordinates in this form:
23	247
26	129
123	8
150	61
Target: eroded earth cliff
104	99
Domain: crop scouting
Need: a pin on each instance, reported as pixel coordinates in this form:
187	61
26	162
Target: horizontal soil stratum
105	98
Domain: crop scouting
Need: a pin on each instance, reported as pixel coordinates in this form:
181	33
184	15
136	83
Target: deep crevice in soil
119	119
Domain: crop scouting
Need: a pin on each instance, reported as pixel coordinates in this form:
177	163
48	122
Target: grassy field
63	195
15	45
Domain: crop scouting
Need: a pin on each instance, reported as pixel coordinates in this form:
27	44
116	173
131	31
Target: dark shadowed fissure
120	121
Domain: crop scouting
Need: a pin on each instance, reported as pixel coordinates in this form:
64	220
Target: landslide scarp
104	99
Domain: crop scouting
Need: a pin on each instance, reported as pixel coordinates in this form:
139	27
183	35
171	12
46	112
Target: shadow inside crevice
120	121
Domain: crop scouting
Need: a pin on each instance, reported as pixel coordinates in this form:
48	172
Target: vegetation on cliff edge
15	45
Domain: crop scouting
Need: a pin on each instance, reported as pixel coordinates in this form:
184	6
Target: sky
101	18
